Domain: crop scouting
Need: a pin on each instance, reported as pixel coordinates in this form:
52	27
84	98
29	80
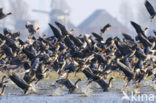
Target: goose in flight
150	9
2	15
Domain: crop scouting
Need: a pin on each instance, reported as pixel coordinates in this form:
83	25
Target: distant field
52	76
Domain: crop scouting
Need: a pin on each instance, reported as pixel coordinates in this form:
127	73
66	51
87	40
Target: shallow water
48	93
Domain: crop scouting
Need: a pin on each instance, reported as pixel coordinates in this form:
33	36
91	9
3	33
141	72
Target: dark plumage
68	84
125	70
32	29
141	36
28	54
139	54
154	79
29	76
56	32
101	82
20	82
2	83
98	79
105	28
155	33
62	28
76	41
124	49
21	42
40	72
3	90
2	15
150	9
26	66
139	75
65	53
87	73
7	31
8	51
137	28
68	42
127	37
16	35
98	37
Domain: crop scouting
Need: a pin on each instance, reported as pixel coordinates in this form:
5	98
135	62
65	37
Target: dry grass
52	76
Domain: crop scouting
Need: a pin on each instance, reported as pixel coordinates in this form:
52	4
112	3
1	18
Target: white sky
80	9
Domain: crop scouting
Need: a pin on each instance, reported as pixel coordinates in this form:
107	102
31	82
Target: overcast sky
80	9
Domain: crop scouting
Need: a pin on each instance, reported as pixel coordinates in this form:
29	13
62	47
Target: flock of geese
66	53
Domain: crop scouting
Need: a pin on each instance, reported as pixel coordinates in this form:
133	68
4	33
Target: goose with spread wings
150	9
2	15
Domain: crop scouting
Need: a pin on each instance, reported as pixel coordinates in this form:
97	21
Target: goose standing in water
105	86
20	83
3	90
41	72
71	87
3	85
